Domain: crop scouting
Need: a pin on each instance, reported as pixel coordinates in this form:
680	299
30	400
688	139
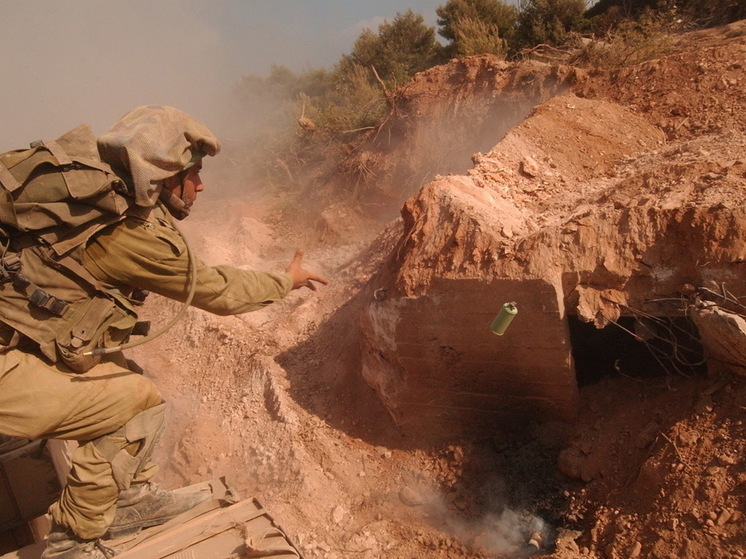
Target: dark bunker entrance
637	348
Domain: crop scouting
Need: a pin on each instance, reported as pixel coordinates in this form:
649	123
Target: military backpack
53	197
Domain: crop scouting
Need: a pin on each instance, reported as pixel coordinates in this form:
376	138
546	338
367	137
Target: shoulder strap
75	267
56	150
6	179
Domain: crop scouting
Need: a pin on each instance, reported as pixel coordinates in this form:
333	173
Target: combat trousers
42	401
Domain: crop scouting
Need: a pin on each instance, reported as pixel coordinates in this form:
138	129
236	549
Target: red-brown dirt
652	465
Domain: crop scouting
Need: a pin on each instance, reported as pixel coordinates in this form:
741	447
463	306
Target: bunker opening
637	347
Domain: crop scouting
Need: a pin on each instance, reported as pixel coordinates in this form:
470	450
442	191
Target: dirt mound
537	219
441	118
699	89
604	199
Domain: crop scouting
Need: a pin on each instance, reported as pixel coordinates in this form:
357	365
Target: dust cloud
76	63
85	62
511	533
506	532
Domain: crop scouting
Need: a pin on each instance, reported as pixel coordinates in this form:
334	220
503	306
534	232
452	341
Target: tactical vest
53	198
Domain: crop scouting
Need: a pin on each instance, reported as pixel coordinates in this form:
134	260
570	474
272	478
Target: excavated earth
378	417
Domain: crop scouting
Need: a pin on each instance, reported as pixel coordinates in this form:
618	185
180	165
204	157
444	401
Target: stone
410	497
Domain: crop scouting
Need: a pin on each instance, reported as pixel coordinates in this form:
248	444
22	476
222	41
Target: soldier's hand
301	276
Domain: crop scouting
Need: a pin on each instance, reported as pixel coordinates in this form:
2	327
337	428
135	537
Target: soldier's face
186	184
191	184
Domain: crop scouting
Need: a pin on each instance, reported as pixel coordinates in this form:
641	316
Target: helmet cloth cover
152	143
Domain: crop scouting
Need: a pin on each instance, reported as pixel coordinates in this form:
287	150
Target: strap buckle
44	300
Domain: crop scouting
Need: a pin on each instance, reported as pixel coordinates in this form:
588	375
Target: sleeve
152	255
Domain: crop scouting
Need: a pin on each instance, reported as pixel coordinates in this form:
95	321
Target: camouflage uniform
111	410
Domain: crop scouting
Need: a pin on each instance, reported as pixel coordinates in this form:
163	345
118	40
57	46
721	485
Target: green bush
627	42
475	36
398	51
476	26
549	22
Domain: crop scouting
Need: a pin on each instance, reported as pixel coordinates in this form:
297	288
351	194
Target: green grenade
504	318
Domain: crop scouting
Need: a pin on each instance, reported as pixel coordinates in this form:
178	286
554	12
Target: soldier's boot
145	504
63	544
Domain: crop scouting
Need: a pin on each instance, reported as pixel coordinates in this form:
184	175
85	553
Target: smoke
505	533
510	533
90	61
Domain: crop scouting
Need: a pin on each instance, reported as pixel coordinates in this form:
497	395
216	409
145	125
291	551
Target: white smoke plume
509	533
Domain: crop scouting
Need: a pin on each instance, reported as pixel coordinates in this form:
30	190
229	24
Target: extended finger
318	278
295	262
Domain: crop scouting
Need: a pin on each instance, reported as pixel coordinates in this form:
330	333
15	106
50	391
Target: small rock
339	513
723	517
727	460
566	540
688	438
410	497
635	550
529	166
383	452
458	454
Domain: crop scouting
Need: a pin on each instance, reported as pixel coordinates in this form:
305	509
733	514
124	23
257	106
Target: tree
399	50
475	36
477	26
549	21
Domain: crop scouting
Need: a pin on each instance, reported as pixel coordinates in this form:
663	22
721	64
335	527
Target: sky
69	62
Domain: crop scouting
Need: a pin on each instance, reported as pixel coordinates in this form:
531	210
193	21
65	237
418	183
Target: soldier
113	412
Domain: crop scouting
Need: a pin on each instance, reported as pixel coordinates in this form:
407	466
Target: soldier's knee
153	396
144	392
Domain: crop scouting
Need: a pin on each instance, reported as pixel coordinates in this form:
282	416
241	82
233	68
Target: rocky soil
654	465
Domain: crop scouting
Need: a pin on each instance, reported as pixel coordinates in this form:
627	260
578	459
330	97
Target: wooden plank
215	529
220	531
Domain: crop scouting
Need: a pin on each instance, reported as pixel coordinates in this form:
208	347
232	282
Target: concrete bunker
441	372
